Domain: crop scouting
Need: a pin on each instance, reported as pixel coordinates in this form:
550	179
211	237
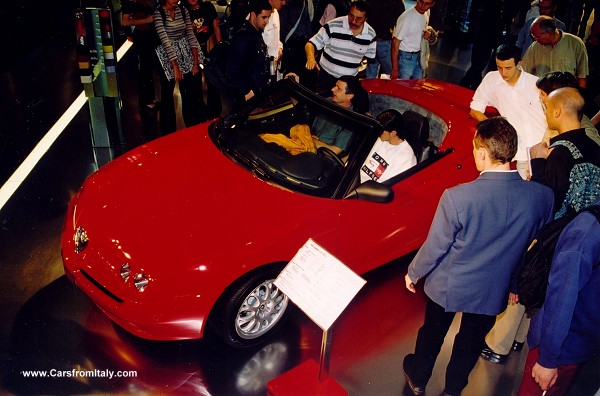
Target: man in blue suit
478	236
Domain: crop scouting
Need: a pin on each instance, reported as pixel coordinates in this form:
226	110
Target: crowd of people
315	41
320	41
538	154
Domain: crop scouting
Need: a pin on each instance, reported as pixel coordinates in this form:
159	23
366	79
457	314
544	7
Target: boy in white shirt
391	154
513	92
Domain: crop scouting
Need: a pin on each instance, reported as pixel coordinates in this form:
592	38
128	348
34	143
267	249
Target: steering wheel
327	152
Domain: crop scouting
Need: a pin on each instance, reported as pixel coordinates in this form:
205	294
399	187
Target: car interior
320	172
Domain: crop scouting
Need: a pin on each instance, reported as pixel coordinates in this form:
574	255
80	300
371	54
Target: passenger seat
416	130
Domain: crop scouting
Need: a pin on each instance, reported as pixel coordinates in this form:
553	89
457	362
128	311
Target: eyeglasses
536	38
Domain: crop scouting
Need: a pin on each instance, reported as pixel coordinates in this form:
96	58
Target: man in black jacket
571	165
248	62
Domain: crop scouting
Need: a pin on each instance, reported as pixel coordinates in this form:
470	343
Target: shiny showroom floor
46	323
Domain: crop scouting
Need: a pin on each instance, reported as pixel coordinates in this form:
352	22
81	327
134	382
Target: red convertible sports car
193	228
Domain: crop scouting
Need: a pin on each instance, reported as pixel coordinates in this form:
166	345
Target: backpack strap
293	29
162	14
183	11
570	146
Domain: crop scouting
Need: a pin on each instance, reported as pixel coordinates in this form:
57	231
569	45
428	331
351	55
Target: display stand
97	62
302	381
321	286
325	355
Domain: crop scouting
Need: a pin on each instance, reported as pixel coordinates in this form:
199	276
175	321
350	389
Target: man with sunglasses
555	50
547	7
345	41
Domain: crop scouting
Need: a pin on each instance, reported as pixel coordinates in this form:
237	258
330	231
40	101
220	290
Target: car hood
180	200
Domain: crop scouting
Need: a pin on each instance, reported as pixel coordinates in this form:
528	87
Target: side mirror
373	192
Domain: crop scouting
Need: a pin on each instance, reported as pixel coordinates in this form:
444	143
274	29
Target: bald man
570	166
552	167
555	50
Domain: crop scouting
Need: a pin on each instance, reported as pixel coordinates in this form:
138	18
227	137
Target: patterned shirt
342	51
572	171
387	160
202	20
177	28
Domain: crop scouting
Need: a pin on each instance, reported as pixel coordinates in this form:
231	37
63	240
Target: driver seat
416	132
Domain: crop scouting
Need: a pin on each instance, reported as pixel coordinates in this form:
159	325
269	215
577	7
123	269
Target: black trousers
325	82
145	43
213	95
294	61
465	352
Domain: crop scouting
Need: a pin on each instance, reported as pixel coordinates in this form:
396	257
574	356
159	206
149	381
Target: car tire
251	310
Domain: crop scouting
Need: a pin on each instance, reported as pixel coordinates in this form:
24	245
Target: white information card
320	284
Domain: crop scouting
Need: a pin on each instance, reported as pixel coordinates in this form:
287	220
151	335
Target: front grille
102	288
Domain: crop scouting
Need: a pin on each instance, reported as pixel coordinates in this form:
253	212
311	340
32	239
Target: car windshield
273	138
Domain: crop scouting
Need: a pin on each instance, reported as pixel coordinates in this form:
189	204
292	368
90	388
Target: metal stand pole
325	356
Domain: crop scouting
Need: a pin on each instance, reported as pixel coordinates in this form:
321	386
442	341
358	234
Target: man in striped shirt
345	41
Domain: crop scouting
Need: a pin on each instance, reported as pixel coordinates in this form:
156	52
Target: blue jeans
383	59
409	65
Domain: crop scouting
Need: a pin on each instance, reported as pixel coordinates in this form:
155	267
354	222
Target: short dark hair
352	84
257	6
361	6
499	137
360	101
552	81
508	51
391	120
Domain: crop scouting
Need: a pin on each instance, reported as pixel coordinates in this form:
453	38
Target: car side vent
102	288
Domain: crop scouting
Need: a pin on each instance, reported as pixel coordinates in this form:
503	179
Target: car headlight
81	239
125	272
140	281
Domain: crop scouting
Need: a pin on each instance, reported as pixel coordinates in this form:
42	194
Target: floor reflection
59	329
48	324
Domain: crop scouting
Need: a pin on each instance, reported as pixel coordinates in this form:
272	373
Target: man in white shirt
411	28
514	94
271	34
391	154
